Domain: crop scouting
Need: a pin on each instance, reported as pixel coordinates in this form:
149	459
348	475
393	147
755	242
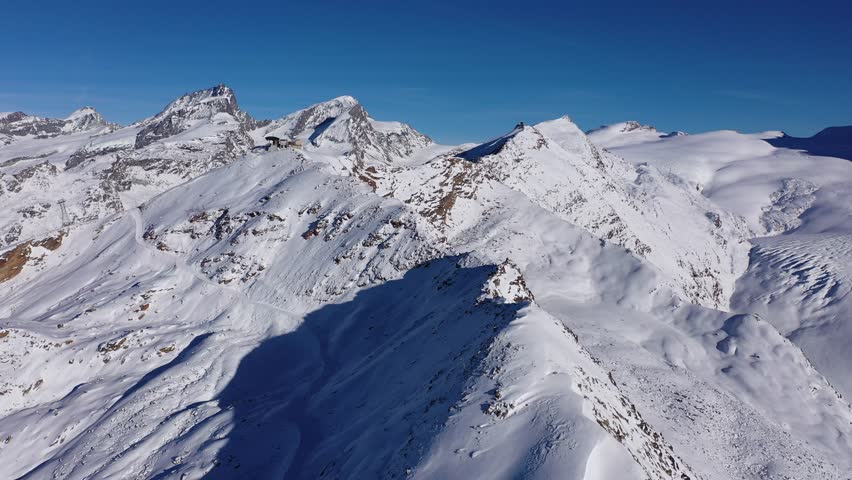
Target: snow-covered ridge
555	165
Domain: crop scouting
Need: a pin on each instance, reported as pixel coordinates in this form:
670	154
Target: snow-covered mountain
627	133
371	304
100	169
342	129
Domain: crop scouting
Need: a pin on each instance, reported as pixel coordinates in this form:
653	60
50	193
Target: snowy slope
374	305
799	204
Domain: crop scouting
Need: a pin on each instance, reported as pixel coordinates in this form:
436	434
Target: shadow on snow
361	387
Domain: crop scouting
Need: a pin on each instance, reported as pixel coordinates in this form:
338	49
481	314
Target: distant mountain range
180	298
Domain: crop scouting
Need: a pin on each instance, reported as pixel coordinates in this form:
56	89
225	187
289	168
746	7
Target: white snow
798	278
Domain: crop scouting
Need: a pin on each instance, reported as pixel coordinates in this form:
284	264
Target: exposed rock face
13	261
788	203
507	284
631	126
371	141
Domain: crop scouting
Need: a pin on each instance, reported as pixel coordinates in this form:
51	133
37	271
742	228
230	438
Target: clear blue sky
456	70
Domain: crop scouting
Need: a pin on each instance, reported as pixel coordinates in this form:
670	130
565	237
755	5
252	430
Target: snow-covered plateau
181	299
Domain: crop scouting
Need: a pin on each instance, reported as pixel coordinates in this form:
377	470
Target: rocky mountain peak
343	101
217	103
632	125
10	117
562	131
203	104
343	126
86	118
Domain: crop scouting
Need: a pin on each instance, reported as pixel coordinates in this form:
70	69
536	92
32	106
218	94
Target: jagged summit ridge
82	112
623	127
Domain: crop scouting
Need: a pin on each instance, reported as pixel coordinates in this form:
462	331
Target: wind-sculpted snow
801	284
373	305
797	280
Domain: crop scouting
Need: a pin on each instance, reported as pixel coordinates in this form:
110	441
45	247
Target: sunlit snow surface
373	305
799	207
